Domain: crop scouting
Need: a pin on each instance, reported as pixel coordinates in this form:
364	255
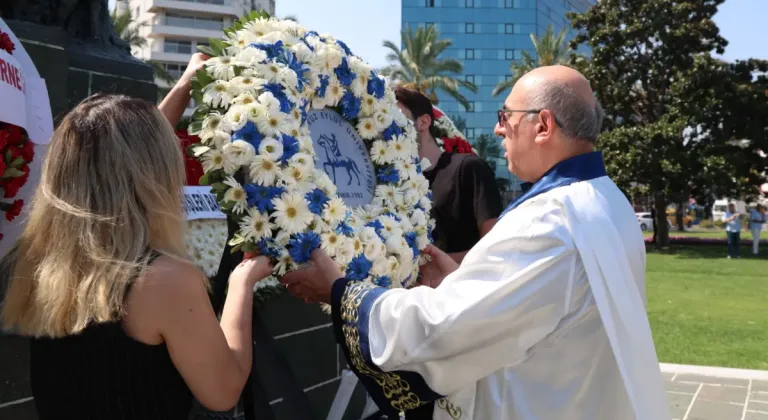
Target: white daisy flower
256	225
287	77
295	176
285	263
418	218
236	194
393	267
217	94
334	92
368	104
327	59
258	27
406	169
380	266
425	203
334	210
303	161
239	41
272	124
213	160
249	56
270	71
256	111
212	123
390	193
323	182
236	117
220	139
381	153
390	227
282	238
222	68
400	149
246	84
382	120
239	152
367	128
271	148
292	212
244	99
264	170
331	242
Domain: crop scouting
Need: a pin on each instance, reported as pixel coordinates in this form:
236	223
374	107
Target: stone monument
73	45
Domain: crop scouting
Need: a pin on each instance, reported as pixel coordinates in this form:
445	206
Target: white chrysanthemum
331	242
381	153
345	253
327	59
303	161
382	120
213	160
236	117
334	92
222	68
418	218
246	84
220	139
393	267
271	148
245	99
411	197
359	85
287	77
334	210
285	263
296	176
256	225
239	152
380	266
249	57
292	212
390	227
367	128
272	124
217	94
303	52
256	112
323	182
212	123
236	194
368	104
264	170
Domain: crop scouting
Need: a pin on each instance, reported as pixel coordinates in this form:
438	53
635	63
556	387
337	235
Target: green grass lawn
707	310
714	233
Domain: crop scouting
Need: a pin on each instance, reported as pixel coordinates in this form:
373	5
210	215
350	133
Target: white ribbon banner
201	203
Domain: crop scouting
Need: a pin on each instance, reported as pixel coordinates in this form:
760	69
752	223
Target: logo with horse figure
343	155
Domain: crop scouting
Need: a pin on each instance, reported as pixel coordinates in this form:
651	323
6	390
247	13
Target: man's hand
433	272
314	283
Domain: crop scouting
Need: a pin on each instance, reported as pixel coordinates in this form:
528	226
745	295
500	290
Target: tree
488	149
460	123
674	113
550	50
129	30
419	66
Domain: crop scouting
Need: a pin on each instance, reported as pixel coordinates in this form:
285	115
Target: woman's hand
433	272
176	101
251	271
314	283
195	63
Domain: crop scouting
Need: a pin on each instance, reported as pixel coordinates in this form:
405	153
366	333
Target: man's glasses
503	115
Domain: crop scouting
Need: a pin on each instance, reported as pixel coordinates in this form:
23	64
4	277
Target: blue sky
363	25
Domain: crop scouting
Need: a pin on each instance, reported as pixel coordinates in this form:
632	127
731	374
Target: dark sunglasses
503	115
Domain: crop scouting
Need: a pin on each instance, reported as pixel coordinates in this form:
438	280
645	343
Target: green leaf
195	127
235	249
218	46
207	50
203	77
219	187
237	239
17	162
205	180
12	173
227	205
200	150
197	96
249	247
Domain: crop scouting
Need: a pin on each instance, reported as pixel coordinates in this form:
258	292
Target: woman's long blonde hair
110	191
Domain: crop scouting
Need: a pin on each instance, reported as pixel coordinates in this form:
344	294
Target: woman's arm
176	101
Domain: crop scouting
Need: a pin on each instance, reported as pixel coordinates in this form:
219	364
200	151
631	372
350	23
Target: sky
363	25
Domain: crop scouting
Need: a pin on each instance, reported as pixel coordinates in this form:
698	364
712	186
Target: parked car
646	221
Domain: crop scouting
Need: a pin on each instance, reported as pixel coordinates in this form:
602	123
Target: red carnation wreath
17	152
453	141
193	166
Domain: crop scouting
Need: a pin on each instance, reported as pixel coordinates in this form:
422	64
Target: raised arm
176	101
412	346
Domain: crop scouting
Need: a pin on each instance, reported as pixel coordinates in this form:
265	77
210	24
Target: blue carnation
277	91
359	268
289	59
317	200
272	50
382	281
375	86
249	133
378	227
344	47
350	105
290	147
392	131
344	73
410	239
301	245
345	229
417	164
429	195
388	175
261	197
267	248
320	90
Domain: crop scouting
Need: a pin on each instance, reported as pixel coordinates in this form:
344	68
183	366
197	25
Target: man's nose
499	130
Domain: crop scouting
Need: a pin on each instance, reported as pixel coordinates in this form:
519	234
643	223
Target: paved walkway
707	393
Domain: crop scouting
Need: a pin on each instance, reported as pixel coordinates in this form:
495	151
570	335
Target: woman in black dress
123	325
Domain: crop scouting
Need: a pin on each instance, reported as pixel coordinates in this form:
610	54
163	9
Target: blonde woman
123	325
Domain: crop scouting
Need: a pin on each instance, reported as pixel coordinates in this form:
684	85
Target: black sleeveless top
102	373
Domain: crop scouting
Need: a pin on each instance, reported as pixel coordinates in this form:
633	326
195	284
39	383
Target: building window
470	133
429	3
179	47
509	28
509	4
175	69
470	78
469	54
470	28
508	77
469	3
509	54
194	22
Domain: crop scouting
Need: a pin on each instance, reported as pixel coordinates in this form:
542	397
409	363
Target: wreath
451	140
264	85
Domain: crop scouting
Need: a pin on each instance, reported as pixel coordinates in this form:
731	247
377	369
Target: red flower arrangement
453	140
193	167
17	152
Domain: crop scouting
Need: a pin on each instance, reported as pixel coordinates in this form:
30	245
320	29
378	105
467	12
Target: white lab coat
544	319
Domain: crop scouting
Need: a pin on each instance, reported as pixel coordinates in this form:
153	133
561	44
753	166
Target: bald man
545	317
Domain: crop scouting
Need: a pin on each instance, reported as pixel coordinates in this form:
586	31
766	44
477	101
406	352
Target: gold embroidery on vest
396	389
453	411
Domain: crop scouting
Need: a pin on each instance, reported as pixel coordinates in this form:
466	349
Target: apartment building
175	28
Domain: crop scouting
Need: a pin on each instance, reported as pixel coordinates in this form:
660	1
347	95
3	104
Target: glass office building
487	35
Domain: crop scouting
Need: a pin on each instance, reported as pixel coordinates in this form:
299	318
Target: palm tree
488	149
550	50
419	66
128	29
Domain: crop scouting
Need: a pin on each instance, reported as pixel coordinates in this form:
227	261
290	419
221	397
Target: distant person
756	221
733	230
466	200
121	323
653	224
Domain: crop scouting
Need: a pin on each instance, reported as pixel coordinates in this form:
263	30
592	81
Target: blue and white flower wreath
254	96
